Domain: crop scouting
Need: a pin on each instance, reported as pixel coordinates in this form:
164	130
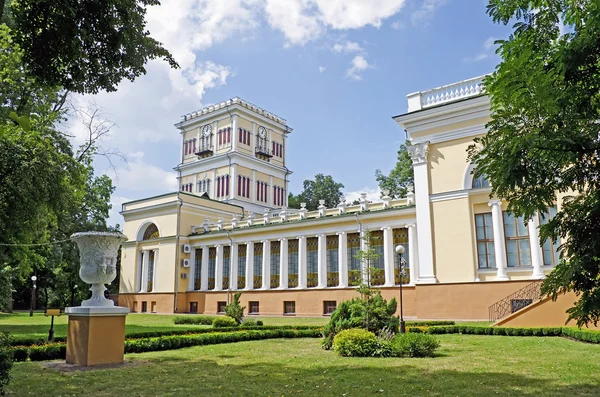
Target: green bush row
193	319
56	351
178	342
428	323
582	334
28	341
508	331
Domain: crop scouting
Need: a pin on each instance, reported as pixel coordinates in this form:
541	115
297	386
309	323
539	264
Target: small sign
52	312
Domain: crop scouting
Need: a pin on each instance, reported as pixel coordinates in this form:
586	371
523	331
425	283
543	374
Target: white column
192	271
363	247
499	247
388	255
195	188
283	263
302	262
266	265
234	132
249	265
343	259
253	141
233	266
154	266
537	256
213	189
204	270
198	137
253	186
322	260
233	183
219	269
418	154
145	258
413	258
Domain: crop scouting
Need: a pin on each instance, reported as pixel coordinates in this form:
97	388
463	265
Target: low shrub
356	342
20	353
6	361
259	323
251	323
414	345
583	335
52	351
193	319
224	322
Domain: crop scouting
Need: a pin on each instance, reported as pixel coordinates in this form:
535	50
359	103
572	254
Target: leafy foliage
234	309
400	178
201	320
323	187
6	361
85	46
356	342
414	345
544	134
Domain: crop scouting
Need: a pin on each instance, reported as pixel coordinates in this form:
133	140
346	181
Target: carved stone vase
98	263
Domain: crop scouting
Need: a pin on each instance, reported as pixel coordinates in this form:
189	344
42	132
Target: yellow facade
464	252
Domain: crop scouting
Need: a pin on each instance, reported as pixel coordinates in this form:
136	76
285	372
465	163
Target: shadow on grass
171	375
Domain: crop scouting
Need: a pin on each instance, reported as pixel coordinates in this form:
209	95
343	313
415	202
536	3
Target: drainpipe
177	238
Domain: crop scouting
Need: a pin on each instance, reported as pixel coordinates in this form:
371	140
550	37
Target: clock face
206	130
262	132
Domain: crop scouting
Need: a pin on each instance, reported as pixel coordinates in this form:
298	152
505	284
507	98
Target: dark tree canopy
402	176
323	187
544	135
85	46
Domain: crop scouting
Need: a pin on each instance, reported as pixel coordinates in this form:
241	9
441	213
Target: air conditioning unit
187	248
185	262
184	275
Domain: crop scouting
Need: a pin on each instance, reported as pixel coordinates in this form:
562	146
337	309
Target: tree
544	134
321	188
84	46
234	309
400	178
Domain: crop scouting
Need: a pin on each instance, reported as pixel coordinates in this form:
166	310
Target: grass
467	365
38	325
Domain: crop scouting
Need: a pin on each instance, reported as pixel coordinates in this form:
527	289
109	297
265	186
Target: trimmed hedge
508	331
56	351
193	319
414	345
358	342
583	335
428	323
224	322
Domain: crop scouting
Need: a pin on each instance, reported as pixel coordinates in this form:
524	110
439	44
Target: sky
336	70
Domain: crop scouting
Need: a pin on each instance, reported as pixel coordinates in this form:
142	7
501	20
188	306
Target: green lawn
467	365
38	325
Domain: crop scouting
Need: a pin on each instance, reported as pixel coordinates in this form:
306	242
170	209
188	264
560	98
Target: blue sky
337	70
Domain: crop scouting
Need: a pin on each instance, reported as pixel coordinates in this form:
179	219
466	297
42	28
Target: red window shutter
228	134
227	184
218	186
239	135
248	187
185	146
194	146
257	190
239	188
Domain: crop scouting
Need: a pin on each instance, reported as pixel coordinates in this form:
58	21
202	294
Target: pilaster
343	259
499	247
322	260
283	263
219	269
266	265
302	262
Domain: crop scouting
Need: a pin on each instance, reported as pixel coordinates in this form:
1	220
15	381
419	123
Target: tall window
258	256
275	255
480	181
292	263
485	241
332	254
312	254
241	281
261	191
353	262
223	186
197	269
550	248
244	136
518	251
151	232
378	263
151	258
204	186
212	262
400	237
243	186
226	266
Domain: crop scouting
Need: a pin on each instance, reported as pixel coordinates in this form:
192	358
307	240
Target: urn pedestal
96	330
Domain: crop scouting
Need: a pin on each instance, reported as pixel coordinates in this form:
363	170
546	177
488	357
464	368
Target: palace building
229	228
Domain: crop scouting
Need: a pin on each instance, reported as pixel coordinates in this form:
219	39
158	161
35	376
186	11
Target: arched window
151	232
480	181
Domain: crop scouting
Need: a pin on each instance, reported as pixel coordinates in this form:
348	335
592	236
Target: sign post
52	313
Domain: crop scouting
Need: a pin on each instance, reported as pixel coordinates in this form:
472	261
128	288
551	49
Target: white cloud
140	175
398	25
347	48
425	12
322	69
353	14
373	194
488	50
359	64
296	19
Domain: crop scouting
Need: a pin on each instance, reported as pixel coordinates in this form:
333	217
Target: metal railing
515	301
264	150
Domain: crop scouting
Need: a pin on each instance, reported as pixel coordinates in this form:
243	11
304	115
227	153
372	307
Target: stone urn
98	263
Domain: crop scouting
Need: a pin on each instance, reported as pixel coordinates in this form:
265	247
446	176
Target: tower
234	152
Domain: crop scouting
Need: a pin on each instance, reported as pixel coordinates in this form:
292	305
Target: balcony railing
263	151
515	301
445	94
204	150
